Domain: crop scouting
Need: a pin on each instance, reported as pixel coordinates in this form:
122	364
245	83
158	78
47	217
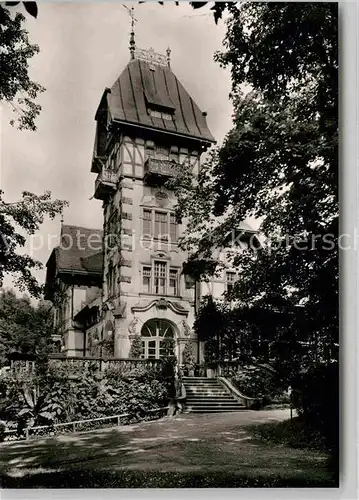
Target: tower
148	128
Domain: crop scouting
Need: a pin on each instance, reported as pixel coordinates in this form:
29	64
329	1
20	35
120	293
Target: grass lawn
186	451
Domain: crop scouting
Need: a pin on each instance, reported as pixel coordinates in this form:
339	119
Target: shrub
57	397
136	347
189	361
316	398
257	382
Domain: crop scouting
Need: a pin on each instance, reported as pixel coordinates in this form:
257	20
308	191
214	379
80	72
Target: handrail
247	400
73	423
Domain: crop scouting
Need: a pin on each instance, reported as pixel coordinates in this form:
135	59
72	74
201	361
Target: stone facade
148	129
142	268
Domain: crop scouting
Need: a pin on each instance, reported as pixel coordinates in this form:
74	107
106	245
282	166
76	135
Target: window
147	224
149	150
146	279
173	228
159	114
174	154
173	282
162	153
160	279
230	279
157	336
159	225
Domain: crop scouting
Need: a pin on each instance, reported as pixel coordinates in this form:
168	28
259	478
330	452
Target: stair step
219	408
207	395
211	400
200	378
217	394
215	403
216	410
197	391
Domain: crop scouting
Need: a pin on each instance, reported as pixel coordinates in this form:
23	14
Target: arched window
155	334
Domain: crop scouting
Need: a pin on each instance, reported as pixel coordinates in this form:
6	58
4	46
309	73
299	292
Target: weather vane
131	12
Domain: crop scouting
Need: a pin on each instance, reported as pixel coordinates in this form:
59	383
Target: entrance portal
154	333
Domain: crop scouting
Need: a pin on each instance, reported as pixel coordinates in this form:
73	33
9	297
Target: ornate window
160	279
160	225
160	276
156	334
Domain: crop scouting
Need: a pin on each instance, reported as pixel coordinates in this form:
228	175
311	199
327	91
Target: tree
189	361
16	87
279	164
26	216
24	328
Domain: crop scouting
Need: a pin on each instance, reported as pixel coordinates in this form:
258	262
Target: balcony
105	184
159	171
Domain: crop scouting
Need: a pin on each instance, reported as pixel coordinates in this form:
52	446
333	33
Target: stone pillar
122	340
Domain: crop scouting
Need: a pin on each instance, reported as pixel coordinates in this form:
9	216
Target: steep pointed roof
144	87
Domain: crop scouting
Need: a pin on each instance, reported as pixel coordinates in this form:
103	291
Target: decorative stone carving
150	56
161	199
162	304
132	326
186	328
160	254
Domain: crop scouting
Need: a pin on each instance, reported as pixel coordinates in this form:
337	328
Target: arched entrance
155	333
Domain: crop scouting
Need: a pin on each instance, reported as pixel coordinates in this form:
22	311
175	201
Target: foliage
107	347
233	333
136	348
316	398
189	361
279	165
24	216
30	7
55	396
254	381
218	8
16	87
24	328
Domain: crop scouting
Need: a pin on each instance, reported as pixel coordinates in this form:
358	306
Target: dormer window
159	114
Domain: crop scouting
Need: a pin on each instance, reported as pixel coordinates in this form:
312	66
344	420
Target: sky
83	49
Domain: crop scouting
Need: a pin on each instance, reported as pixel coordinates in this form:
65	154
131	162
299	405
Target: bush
257	382
136	347
316	398
57	397
189	361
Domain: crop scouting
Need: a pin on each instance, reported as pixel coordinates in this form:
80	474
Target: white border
349	187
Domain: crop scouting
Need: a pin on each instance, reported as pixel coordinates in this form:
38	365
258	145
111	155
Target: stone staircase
207	395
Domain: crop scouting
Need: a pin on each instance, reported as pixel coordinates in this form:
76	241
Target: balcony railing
105	184
160	170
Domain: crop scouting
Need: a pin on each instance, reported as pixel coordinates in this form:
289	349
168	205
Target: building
131	284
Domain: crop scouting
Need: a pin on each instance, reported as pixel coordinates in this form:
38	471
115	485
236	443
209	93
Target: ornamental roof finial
132	34
168	52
